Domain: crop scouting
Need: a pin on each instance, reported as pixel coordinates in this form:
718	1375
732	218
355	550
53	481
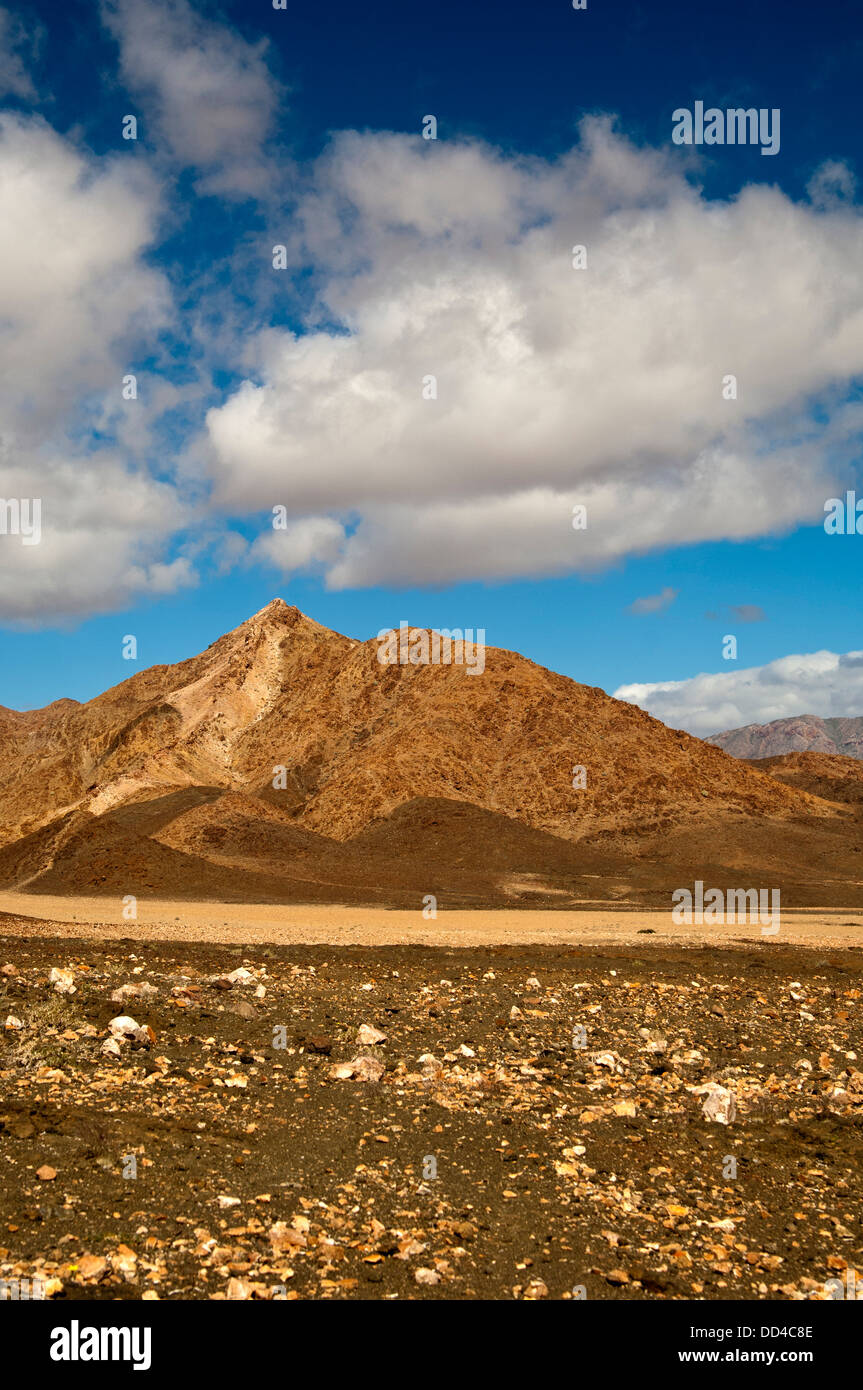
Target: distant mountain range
805	733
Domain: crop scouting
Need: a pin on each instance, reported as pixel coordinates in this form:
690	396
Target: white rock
139	991
367	1036
719	1104
13	1022
360	1069
123	1026
62	980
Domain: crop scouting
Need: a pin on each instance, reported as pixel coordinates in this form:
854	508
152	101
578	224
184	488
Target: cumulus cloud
73	282
76	296
103	534
461	387
301	544
826	684
653	603
208	91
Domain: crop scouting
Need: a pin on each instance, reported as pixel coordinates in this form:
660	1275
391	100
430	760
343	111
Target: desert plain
327	980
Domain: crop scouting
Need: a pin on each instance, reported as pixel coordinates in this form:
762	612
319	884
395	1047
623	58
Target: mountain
286	763
805	733
831	777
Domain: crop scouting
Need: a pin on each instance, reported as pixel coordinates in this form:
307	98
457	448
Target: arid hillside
286	762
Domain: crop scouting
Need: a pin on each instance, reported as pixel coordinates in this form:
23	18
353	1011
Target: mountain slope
392	782
358	739
805	733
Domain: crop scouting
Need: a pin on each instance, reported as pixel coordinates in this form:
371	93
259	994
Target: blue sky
256	387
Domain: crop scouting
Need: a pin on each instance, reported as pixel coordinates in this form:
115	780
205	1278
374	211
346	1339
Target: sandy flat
164	920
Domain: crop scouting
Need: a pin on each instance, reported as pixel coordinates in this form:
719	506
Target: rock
426	1276
241	976
92	1266
367	1036
536	1289
466	1051
606	1059
62	980
123	1026
46	1173
284	1237
719	1104
110	1048
617	1276
136	991
431	1067
8	970
226	1202
243	1009
124	1261
625	1108
320	1044
360	1069
13	1022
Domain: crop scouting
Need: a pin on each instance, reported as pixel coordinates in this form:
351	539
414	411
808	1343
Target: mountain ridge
803	733
286	760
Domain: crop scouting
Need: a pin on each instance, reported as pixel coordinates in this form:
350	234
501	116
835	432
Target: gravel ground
533	1123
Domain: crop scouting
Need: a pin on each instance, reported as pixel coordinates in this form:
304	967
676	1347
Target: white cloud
820	683
832	183
103	532
73	284
654	603
555	386
209	93
312	540
17	43
76	300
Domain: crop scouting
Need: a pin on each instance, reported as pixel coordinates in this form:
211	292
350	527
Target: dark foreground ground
493	1152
